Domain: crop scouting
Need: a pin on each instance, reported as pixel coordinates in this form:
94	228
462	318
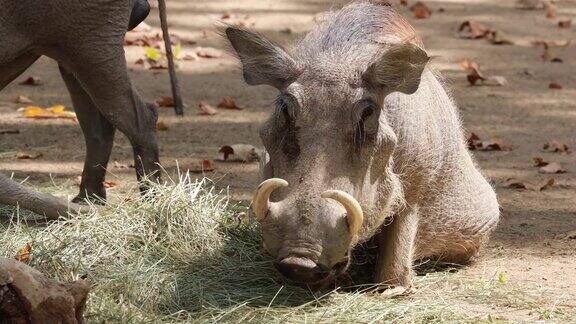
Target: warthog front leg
99	137
396	250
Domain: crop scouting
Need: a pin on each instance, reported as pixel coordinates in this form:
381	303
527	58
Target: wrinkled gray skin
85	37
360	111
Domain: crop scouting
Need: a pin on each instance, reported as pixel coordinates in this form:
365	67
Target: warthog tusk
353	209
262	196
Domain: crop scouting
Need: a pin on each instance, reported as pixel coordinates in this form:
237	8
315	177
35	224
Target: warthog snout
302	270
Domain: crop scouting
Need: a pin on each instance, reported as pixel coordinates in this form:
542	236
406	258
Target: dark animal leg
99	137
107	82
12	70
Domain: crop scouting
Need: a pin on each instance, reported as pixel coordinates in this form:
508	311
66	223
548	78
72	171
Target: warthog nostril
301	270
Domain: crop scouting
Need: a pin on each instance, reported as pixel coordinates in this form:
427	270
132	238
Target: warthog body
363	120
85	37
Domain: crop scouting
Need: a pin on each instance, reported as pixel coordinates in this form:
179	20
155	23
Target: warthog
86	39
364	144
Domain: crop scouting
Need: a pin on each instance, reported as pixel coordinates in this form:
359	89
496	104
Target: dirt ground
530	245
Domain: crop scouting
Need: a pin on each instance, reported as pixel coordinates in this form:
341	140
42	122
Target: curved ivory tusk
353	209
262	196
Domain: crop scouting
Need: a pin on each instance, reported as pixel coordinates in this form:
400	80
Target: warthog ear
263	61
399	69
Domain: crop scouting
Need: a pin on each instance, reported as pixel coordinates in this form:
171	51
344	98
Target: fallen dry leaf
165	102
238	153
9	131
109	184
497	37
552	168
570	235
474	75
421	10
550	43
23	100
475	143
539	162
565	23
106	183
58	111
555	86
228	103
161	126
471	29
199	166
28	156
119	165
529	4
32	81
208	52
473	70
146	40
556	147
24	253
404	3
550	10
204	108
518	184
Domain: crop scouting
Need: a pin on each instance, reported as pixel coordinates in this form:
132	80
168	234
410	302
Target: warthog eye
367	108
289	143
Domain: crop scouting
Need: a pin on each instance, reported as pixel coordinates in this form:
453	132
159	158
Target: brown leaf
161	126
208	52
552	168
513	183
421	11
529	4
199	166
228	103
24	253
565	23
23	100
205	108
497	37
570	235
471	29
550	10
238	153
165	102
556	147
119	165
518	184
539	162
109	184
494	145
475	143
550	43
28	156
543	185
32	81
472	141
9	131
139	39
474	75
404	3
555	86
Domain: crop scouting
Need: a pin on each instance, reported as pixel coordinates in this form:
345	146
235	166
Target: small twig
178	103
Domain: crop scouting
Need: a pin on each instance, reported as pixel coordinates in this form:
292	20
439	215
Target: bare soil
530	245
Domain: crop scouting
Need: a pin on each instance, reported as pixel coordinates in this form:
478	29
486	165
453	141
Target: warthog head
330	181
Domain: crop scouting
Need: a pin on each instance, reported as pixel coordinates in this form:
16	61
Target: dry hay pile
180	254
